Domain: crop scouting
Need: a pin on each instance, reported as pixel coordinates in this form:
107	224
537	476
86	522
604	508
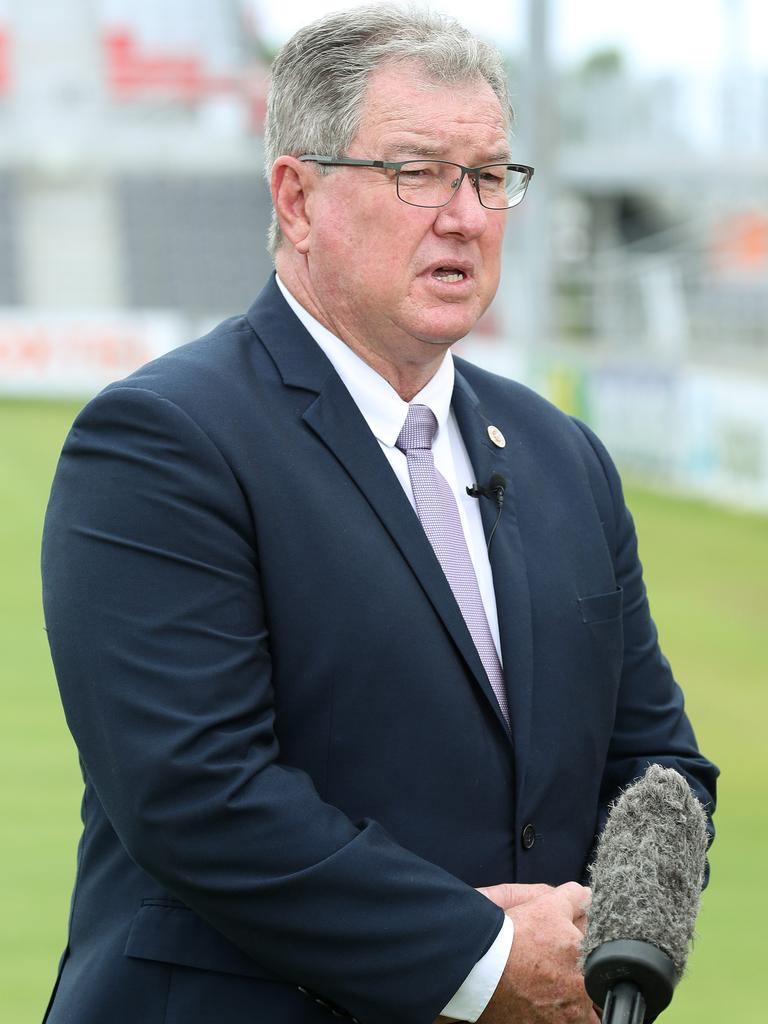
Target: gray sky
656	35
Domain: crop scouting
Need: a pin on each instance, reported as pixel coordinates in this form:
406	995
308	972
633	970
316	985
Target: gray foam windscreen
649	868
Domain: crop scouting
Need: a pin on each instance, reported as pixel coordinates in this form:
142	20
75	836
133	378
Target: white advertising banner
724	423
76	355
700	430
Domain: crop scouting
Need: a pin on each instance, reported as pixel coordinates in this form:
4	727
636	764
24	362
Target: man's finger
508	895
575	897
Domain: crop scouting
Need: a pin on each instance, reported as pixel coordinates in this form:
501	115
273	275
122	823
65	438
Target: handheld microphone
646	880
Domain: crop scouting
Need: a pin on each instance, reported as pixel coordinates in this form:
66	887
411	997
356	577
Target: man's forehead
408	81
416	114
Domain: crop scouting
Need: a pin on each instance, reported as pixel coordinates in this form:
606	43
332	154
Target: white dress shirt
384	412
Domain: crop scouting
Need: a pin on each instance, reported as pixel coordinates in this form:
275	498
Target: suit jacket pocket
169	932
602	618
601	607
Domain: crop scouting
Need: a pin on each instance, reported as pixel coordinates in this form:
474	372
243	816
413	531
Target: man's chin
447	330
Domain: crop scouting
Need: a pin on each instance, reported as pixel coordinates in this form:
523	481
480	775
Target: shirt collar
382	408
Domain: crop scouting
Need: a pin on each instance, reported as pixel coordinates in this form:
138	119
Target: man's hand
542	983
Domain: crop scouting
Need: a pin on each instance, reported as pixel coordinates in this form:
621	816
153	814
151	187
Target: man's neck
406	377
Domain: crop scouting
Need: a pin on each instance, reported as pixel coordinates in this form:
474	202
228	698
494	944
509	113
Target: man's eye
418	171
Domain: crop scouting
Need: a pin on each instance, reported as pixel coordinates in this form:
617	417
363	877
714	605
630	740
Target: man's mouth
449	274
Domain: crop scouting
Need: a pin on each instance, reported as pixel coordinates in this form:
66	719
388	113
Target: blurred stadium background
132	216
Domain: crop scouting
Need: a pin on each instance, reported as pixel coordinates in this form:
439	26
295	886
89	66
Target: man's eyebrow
425	151
414	149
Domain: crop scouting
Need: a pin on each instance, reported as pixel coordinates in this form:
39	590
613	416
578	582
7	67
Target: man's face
400	280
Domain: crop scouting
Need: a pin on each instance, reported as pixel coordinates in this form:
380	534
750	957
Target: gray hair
319	78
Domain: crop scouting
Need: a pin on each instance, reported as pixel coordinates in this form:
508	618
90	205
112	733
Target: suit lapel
507	557
336	420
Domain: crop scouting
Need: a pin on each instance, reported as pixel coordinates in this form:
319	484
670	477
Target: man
321	693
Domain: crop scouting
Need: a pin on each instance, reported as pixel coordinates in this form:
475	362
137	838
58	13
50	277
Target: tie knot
418	430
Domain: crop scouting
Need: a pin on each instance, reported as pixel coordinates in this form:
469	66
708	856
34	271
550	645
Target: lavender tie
439	514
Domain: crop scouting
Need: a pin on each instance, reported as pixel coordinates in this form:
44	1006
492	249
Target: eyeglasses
434	183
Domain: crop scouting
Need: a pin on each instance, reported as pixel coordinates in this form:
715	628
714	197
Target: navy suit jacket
295	769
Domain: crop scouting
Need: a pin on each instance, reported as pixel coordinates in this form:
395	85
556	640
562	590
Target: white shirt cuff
480	984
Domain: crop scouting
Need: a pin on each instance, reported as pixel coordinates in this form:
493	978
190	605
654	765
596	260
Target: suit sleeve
161	646
651	725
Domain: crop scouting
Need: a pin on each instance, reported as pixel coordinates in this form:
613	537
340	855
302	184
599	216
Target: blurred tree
607	62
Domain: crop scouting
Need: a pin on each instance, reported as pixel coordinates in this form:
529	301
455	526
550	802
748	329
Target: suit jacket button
528	836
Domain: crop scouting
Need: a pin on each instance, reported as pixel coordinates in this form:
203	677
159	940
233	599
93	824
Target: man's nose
463	214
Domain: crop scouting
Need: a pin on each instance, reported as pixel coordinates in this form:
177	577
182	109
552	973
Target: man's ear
291	186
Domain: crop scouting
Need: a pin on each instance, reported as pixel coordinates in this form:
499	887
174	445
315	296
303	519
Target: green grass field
707	571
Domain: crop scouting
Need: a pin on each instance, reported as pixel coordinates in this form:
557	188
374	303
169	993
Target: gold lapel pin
496	436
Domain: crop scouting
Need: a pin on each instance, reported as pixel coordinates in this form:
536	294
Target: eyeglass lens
428	183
